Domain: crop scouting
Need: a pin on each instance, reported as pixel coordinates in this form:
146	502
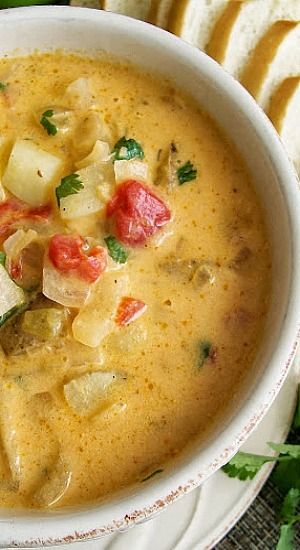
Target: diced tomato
13	211
138	212
67	255
129	310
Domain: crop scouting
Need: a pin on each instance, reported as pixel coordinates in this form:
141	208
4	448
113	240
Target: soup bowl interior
91	32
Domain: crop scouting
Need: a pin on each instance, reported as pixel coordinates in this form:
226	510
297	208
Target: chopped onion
131	170
79	94
63	119
90	129
64	289
56	485
96	319
14	245
84	394
11	296
100	153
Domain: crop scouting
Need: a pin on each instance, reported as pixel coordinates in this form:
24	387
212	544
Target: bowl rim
73	525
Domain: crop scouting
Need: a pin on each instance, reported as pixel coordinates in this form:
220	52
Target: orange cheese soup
134	277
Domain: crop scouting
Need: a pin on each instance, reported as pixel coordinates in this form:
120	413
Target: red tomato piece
138	212
67	255
13	211
129	310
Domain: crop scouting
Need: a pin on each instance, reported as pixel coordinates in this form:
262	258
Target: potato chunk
30	172
84	394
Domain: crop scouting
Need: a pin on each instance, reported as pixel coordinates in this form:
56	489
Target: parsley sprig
47	124
286	476
69	185
127	149
116	250
186	172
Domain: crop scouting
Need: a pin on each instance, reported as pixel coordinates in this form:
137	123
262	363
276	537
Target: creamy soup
134	278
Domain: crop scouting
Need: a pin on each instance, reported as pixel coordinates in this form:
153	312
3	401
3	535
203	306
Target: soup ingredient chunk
138	213
85	394
126	149
129	309
14	213
30	172
43	323
67	255
12	297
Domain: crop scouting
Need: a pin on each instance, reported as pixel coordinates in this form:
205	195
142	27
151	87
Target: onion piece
131	170
90	128
17	241
2	193
96	319
64	289
79	94
54	489
85	394
99	153
62	119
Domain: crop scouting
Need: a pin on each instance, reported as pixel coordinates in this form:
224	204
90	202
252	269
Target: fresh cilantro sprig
116	250
286	476
127	149
47	124
69	185
3	86
186	172
2	258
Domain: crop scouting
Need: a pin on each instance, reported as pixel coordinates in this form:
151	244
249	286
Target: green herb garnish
286	476
2	258
45	122
127	149
296	422
186	172
116	250
69	185
204	351
152	475
3	86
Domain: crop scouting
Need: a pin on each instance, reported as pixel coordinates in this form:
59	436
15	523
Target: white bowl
46	28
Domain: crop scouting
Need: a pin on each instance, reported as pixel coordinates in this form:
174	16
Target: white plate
204	516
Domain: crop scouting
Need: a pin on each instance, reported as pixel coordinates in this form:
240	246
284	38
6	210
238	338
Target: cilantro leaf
246	465
286	538
287	475
204	351
127	149
3	86
45	122
284	449
296	421
186	172
116	250
2	258
69	185
290	504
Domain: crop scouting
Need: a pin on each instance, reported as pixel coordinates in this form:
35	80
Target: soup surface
134	278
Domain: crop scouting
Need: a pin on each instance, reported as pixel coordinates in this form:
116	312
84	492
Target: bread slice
244	25
133	8
262	72
285	115
194	20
